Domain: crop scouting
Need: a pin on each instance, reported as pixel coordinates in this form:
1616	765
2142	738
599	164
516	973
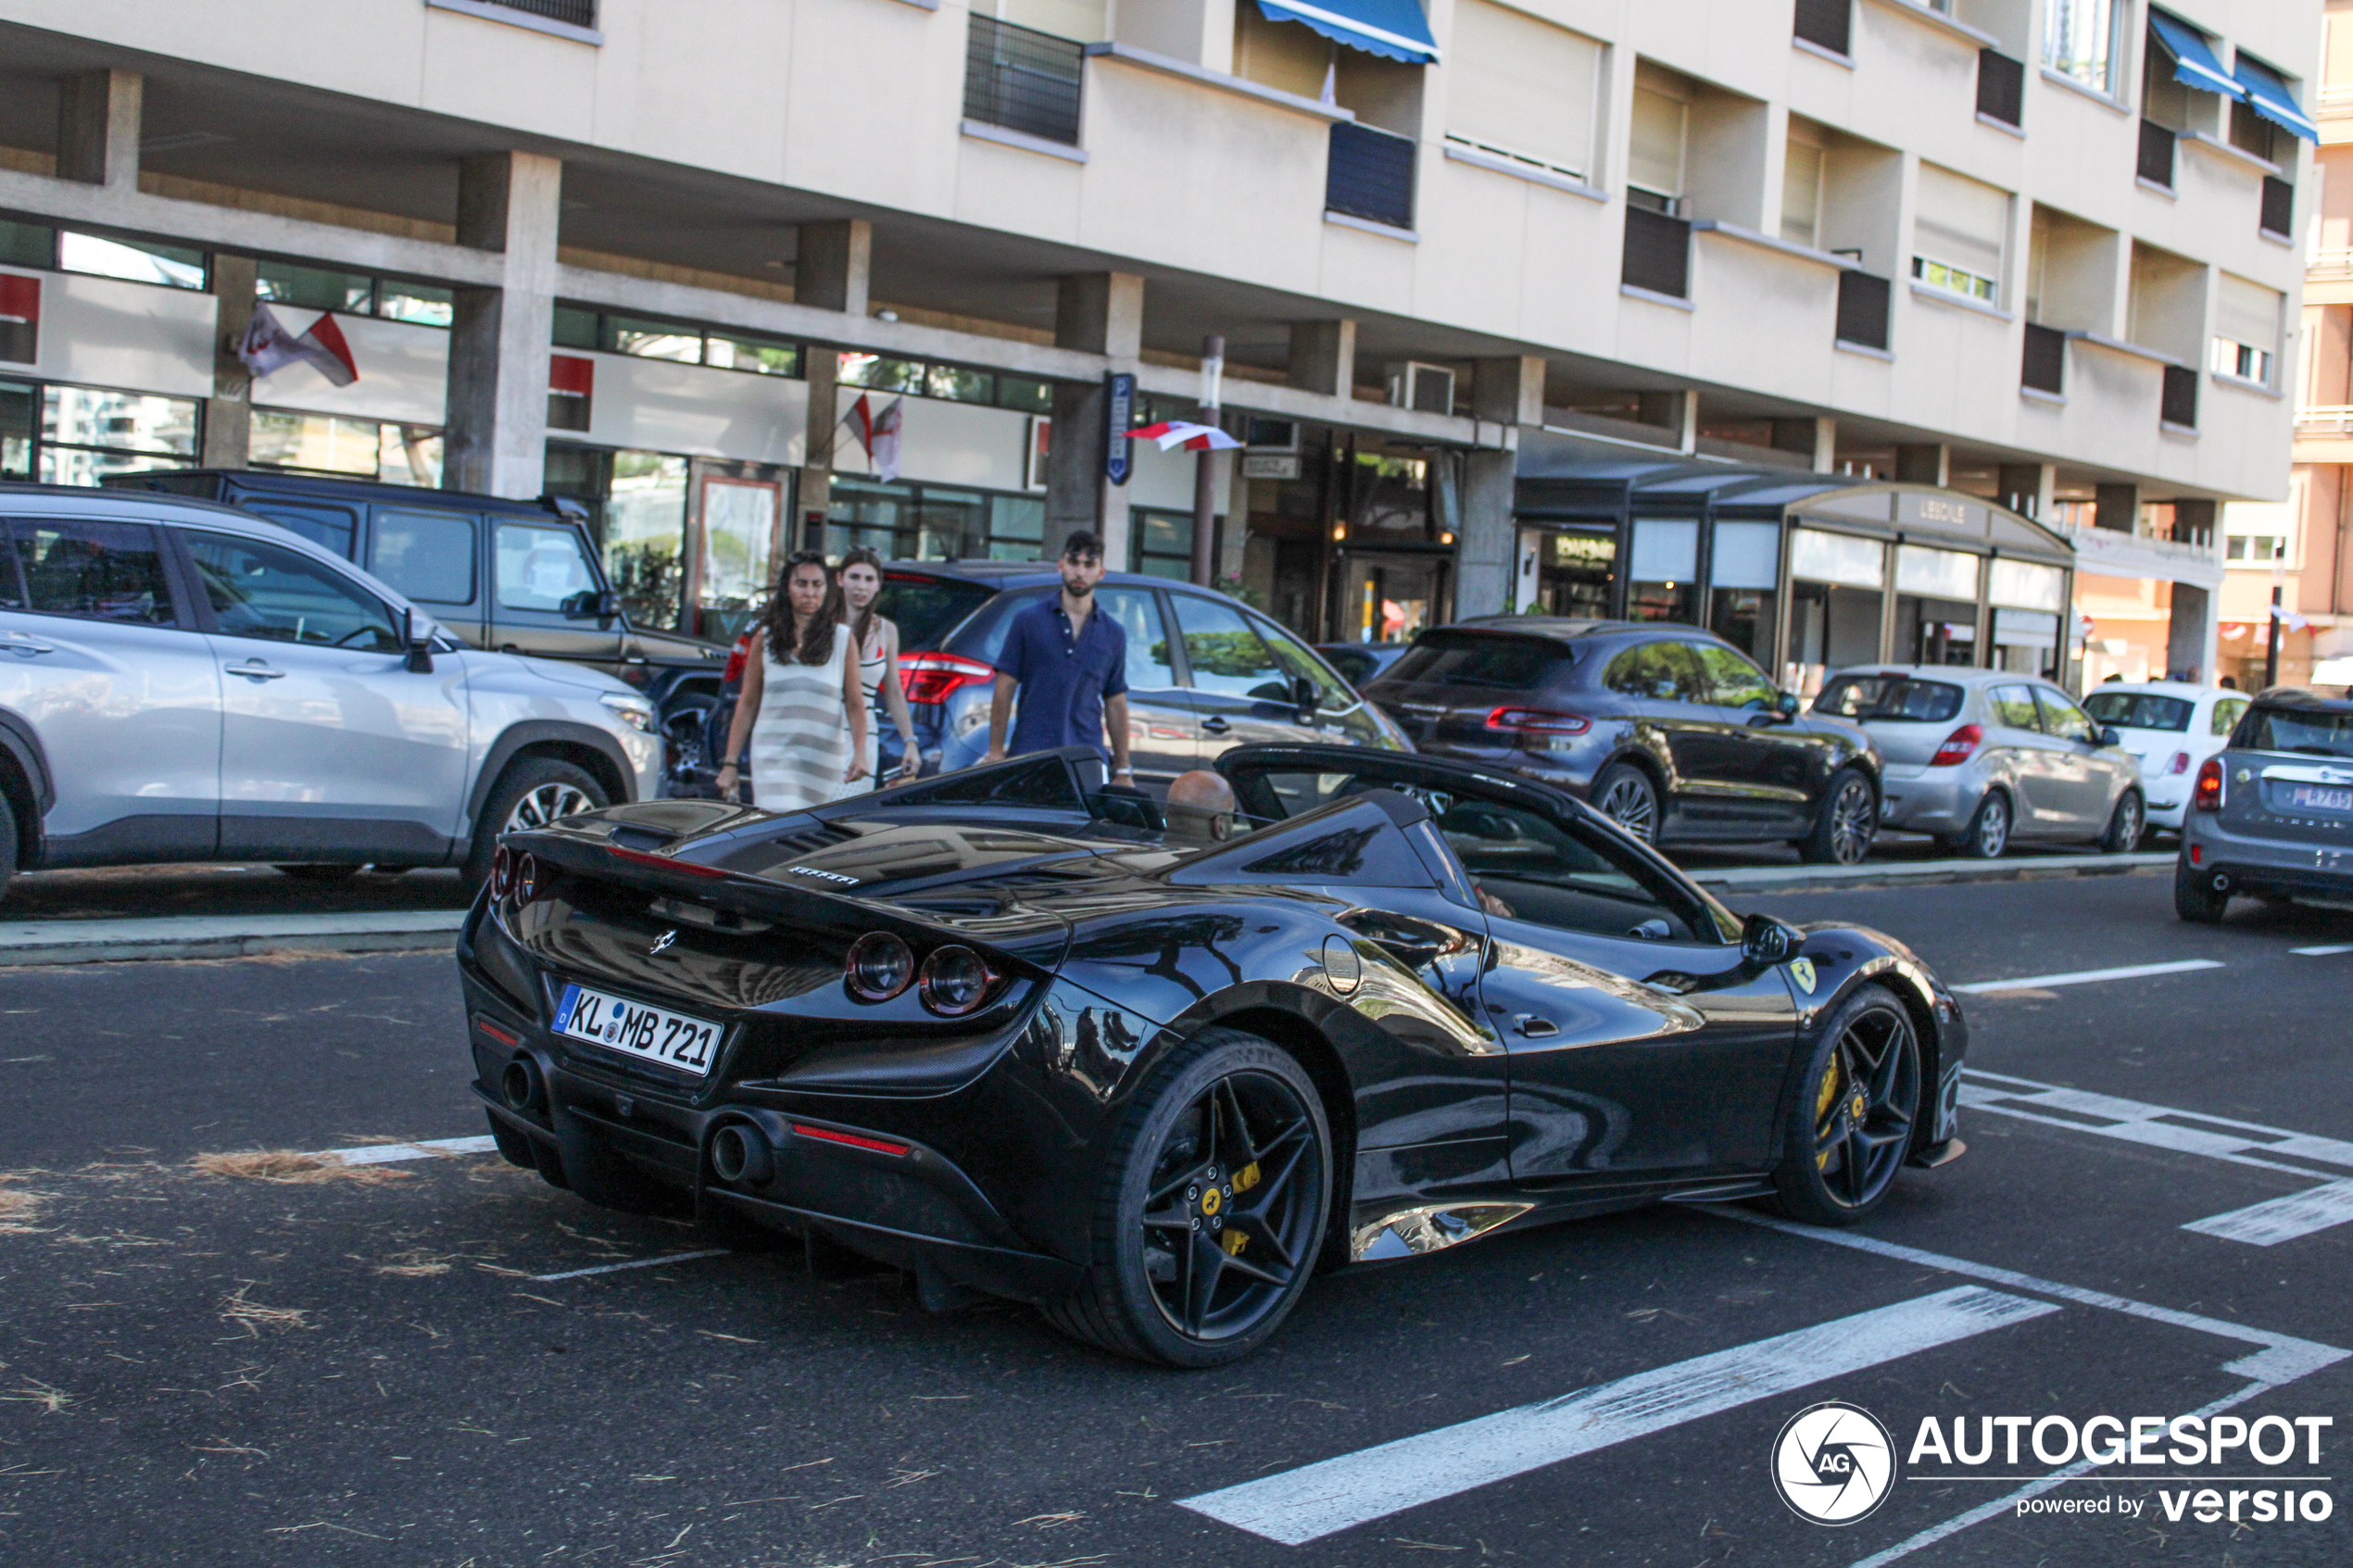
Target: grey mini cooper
2271	814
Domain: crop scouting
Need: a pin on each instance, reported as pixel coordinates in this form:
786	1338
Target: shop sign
1119	412
19	318
1270	465
1583	549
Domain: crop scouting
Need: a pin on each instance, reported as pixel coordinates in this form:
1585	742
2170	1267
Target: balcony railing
579	13
2326	421
1022	79
2157	153
1658	253
1827	24
2279	208
1370	175
1863	309
2001	87
2045	365
2178	404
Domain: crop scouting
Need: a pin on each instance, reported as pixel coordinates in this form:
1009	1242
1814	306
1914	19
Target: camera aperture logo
1833	1463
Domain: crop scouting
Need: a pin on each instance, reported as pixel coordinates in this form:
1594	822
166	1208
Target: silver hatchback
1981	758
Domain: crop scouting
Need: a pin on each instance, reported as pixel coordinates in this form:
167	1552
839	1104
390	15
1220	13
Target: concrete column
1323	357
2117	507
1825	446
1927	464
98	115
834	265
2191	633
2027	488
1687	422
821	366
499	338
1507	391
228	413
1094	313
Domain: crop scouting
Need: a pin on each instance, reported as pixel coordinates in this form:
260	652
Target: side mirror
590	605
1786	705
1765	940
1303	696
417	652
2109	735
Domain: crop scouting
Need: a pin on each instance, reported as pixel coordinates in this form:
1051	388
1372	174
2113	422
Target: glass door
739	528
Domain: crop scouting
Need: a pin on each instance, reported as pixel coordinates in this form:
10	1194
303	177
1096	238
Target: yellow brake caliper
1822	1103
1244	1179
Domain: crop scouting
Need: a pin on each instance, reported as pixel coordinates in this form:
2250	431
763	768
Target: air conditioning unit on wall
1428	389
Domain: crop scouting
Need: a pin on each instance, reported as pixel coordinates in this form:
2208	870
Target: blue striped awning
2269	96
1392	27
2194	61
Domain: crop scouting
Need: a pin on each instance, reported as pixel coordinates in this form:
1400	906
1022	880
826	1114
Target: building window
1522	89
133	260
1656	137
2079	40
1162	542
1022	79
1958	234
578	13
320	443
83	434
908	522
680	343
2256	548
2246	329
951	383
353	294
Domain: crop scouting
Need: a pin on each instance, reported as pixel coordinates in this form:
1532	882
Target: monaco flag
268	348
880	434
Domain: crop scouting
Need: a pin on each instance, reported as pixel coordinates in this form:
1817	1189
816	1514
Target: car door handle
1215	725
26	647
1533	1027
254	670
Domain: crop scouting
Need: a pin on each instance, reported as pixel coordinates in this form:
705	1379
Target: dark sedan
1018	1034
1670	732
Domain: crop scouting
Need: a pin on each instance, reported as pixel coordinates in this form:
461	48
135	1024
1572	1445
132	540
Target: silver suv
184	681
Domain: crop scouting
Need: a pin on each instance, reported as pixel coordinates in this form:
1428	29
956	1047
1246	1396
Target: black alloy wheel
2124	825
2195	898
1988	832
1846	824
1852	1128
1625	795
1210	1215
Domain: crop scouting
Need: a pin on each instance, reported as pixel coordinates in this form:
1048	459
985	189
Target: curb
1925	873
225	937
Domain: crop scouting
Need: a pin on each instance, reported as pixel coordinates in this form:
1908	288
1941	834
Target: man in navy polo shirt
1070	666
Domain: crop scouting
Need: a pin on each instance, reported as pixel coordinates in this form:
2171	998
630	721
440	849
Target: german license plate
2319	797
650	1034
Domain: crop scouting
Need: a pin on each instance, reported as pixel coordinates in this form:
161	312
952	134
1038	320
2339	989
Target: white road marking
424	1148
1302	1505
2087	976
2191	1132
2282	1218
633	1264
2323	952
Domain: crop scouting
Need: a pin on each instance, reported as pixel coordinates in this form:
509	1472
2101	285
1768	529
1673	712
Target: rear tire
533	792
1210	1207
7	840
2194	896
1626	795
1988	834
2125	824
1846	824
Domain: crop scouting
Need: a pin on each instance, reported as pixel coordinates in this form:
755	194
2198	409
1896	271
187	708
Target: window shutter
2248	313
1654	144
1521	86
1079	19
1960	222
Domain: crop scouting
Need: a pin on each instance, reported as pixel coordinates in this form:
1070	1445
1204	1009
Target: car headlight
630	708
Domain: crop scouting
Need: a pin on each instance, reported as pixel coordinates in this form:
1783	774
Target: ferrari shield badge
1802	971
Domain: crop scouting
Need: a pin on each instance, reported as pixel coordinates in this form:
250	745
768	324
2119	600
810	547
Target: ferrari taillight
1959	748
502	870
1536	722
2180	763
933	677
2207	794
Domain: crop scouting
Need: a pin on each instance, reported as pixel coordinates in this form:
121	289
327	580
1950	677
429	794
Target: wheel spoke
1249	1270
1206	1263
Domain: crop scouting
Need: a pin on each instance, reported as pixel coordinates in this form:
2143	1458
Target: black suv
1670	732
515	576
1228	676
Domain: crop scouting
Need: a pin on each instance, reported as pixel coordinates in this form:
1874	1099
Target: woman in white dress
800	720
877	639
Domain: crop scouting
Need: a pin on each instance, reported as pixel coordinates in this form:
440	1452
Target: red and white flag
879	433
268	348
1169	434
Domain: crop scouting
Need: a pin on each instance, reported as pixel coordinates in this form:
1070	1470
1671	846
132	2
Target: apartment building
1854	329
2299	554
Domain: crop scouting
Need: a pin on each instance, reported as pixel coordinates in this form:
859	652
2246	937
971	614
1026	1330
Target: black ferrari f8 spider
1147	1067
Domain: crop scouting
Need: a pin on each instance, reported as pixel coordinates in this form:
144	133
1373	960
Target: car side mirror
2109	735
1786	705
590	605
1765	940
417	653
1303	696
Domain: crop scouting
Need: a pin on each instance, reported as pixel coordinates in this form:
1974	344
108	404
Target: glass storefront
910	522
80	435
636	504
1393	598
1573	575
344	448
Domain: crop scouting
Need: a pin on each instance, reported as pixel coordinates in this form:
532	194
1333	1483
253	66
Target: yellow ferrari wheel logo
1802	971
1212	1200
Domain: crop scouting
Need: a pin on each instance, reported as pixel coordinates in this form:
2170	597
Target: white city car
2170	727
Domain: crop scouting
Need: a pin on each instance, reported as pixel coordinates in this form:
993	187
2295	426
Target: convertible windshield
1899	697
2139	711
2280	729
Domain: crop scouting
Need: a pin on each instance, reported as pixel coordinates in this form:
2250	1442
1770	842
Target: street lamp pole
2271	633
1213	372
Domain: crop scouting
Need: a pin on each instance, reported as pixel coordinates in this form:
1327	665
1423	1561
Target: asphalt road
205	1368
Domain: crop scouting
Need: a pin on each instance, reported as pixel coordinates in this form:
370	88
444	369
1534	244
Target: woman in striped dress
800	719
877	639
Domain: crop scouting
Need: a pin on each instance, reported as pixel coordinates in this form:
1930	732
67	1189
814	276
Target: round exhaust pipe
740	1154
521	1085
2221	882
